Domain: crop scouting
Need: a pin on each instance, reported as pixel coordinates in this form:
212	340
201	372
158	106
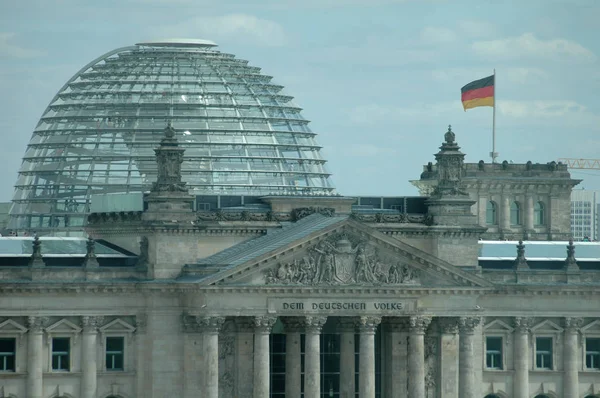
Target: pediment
592	327
348	253
546	326
498	326
63	326
11	327
117	326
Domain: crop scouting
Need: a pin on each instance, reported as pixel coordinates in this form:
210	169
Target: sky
379	79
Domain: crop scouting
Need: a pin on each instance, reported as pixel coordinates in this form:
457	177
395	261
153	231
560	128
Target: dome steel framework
241	134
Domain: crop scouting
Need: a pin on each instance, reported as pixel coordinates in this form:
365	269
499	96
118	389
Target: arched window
491	217
542	396
515	213
491	396
538	214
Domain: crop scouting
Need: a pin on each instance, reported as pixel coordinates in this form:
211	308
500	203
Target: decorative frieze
418	324
399	218
91	323
468	324
314	324
523	324
202	324
368	324
264	323
342	259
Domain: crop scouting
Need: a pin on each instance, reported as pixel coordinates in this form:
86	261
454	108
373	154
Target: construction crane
573	163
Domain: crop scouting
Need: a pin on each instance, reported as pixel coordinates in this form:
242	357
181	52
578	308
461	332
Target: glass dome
241	134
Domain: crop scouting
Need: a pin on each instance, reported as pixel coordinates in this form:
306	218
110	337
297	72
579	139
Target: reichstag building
184	240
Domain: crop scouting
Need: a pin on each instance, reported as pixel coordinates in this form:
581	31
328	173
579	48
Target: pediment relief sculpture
342	260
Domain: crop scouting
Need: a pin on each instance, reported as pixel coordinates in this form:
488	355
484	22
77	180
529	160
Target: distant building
4	209
584	214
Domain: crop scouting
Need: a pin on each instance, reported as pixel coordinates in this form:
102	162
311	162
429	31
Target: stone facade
205	309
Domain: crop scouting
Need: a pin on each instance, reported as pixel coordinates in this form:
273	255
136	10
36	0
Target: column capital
293	324
448	325
314	324
523	324
36	323
417	324
346	324
573	324
244	324
202	324
368	324
91	323
467	324
264	323
141	322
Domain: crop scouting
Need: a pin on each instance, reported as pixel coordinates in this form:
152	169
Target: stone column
244	347
570	364
396	375
210	327
293	362
416	355
35	351
88	356
262	329
312	353
141	323
505	212
521	357
448	363
528	213
347	329
466	360
367	325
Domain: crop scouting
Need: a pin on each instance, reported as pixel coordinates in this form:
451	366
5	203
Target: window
7	355
543	352
515	213
493	352
115	349
491	217
592	353
60	353
538	214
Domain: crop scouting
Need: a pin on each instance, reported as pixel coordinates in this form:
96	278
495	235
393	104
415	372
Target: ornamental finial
449	136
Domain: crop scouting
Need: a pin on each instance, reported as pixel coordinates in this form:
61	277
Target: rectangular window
493	352
543	352
61	353
115	350
7	355
592	353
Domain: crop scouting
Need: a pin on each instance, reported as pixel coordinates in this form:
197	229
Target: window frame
552	352
106	352
585	353
542	214
14	355
502	351
69	353
494	210
515	205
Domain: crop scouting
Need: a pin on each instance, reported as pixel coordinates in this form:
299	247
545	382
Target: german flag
478	93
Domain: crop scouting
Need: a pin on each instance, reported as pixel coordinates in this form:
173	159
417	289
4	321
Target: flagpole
494	154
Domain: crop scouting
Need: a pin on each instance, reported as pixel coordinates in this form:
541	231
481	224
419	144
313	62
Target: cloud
476	28
437	35
541	109
8	50
529	46
241	27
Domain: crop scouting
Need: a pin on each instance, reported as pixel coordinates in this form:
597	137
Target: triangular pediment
63	326
117	326
341	253
592	327
498	326
547	326
11	327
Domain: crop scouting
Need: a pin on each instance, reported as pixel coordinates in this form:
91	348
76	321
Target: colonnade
365	326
